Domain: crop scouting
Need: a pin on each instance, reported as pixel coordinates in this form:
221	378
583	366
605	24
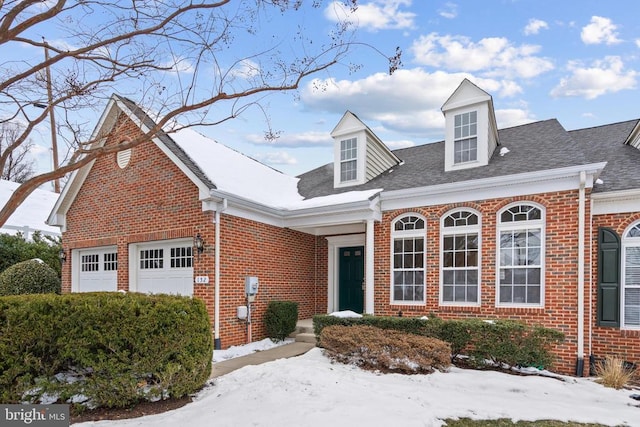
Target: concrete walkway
259	357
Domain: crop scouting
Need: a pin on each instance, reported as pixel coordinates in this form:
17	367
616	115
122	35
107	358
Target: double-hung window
348	159
460	258
408	259
521	255
465	137
631	277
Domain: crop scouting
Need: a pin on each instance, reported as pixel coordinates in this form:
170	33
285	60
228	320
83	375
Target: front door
351	279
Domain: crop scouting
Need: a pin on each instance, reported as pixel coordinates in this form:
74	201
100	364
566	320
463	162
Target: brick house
531	222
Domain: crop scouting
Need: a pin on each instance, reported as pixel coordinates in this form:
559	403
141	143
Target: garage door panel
98	270
166	267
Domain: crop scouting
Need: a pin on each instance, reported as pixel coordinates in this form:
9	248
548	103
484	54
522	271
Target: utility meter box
250	286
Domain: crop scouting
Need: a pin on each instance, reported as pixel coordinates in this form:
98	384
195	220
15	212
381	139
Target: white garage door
165	267
98	269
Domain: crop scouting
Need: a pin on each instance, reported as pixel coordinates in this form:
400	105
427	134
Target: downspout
581	229
369	269
217	345
591	357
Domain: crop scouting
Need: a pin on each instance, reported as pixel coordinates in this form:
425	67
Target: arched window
408	259
521	255
631	276
460	253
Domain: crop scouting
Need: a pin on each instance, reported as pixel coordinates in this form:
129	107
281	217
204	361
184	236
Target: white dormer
471	133
359	155
634	137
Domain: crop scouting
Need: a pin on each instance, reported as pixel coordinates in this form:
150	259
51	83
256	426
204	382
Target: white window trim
627	242
458	230
349	160
543	248
408	233
465	137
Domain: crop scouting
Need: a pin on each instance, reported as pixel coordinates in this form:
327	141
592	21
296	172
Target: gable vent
123	157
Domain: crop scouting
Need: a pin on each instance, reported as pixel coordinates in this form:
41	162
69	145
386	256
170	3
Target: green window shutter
608	278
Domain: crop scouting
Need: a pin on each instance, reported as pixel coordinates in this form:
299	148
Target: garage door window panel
151	259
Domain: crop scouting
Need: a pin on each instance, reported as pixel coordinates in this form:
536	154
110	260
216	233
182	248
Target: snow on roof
235	173
32	213
238	174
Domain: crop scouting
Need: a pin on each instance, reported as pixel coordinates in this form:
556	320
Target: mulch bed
140	410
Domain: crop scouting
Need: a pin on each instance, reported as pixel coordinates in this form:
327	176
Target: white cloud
493	56
304	139
178	65
534	26
401	143
637	42
602	77
245	69
513	117
407	101
276	158
600	30
373	16
449	11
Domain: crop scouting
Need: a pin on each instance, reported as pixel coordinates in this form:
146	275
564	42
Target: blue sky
577	61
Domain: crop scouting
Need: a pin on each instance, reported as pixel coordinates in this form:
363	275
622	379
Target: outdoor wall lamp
63	255
199	243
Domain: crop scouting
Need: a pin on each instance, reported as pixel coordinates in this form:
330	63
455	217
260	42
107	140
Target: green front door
351	276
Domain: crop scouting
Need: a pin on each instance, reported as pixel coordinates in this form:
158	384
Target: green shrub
495	342
413	325
512	343
15	249
29	277
280	319
385	350
115	349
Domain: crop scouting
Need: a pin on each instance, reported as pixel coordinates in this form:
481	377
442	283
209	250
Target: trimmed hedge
385	350
411	325
102	349
29	277
280	319
485	342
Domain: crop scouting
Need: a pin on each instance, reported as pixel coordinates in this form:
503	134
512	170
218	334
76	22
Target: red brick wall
282	259
561	268
608	341
151	199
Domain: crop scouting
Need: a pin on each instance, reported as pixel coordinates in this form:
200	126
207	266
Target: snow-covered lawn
311	391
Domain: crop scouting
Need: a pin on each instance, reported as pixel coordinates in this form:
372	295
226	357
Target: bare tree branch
189	62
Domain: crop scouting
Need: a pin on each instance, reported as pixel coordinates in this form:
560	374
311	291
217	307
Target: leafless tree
15	165
192	62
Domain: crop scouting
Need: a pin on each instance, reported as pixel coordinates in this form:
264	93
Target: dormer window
358	154
471	132
465	137
348	159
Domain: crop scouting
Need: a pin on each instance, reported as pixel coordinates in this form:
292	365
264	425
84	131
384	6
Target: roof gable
465	94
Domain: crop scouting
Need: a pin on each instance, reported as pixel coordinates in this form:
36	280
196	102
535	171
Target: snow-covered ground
311	391
243	350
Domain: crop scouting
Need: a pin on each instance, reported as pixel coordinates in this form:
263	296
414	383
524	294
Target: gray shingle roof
606	143
532	147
